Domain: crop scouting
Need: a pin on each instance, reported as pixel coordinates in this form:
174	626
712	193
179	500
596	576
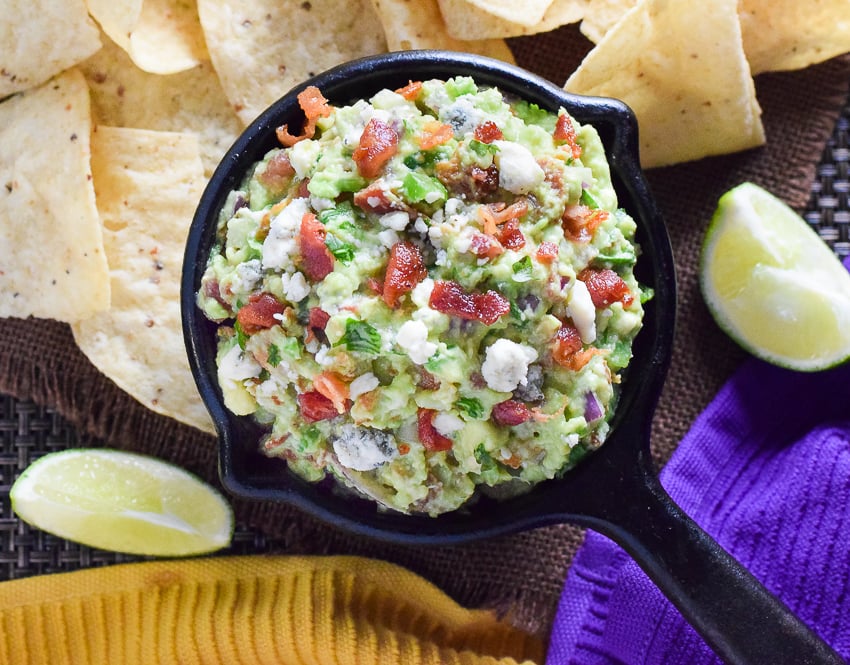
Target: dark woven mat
28	431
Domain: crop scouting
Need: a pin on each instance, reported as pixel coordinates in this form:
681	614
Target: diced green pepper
417	187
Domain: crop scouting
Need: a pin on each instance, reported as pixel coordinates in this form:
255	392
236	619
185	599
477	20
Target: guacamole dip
426	294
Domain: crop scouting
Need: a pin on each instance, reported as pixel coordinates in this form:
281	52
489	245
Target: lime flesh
773	285
122	502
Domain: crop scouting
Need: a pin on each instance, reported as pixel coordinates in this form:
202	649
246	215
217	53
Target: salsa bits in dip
426	294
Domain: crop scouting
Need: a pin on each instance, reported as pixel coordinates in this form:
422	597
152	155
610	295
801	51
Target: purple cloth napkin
765	470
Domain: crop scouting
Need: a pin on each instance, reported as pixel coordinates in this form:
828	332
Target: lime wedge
773	285
123	502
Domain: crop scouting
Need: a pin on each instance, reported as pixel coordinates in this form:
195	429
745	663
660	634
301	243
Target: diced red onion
592	408
528	300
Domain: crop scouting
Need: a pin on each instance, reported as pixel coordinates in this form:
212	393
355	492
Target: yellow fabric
251	610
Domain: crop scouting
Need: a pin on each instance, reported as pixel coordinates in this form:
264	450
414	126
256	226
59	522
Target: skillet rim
548	502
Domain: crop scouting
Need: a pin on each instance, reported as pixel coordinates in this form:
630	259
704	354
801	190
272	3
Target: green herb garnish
522	269
470	407
340	249
483	149
241	335
274	355
361	337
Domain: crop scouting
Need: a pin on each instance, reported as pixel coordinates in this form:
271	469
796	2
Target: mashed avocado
426	294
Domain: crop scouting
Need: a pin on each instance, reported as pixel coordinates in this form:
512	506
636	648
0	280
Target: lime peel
123	502
773	285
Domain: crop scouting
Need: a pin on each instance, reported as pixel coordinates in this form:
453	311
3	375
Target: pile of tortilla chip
114	113
684	67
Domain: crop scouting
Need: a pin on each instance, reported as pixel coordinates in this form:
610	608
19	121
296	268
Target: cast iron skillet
615	490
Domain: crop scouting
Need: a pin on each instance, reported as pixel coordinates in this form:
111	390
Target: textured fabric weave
252	611
765	470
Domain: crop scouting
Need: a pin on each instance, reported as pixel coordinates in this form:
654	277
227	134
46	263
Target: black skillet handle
740	619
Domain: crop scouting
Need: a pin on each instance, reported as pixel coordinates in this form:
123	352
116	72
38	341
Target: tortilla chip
420	25
147	185
602	15
467	22
161	36
529	12
41	39
691	90
788	34
191	101
262	49
53	264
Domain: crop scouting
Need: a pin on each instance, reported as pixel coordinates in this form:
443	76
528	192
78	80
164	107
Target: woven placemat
28	431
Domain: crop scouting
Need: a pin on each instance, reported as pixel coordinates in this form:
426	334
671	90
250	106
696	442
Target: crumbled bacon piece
318	319
260	312
477	380
411	90
314	406
547	252
580	358
566	133
580	222
375	198
487	132
434	134
510	412
510	236
304	189
316	259
485	246
451	298
606	287
493	214
405	269
278	172
378	143
483	181
471	182
426	380
430	438
335	388
567	343
315	106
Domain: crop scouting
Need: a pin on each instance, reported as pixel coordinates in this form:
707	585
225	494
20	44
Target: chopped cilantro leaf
241	335
484	458
426	159
483	149
516	312
470	407
588	200
361	337
342	212
340	249
274	355
310	437
522	269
